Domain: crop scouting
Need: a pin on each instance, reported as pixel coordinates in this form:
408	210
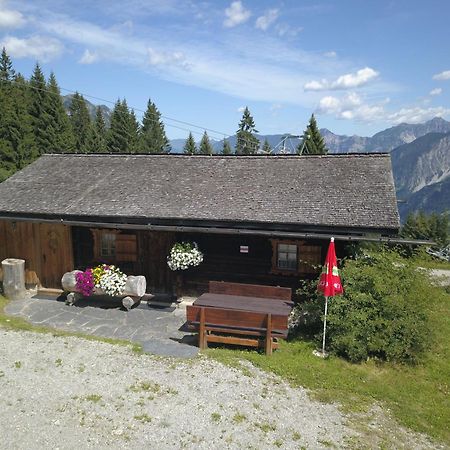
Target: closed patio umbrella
329	284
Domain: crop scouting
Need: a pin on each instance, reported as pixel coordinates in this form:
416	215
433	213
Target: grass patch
17	364
94	398
215	417
417	396
145	386
239	418
296	436
144	418
18	323
431	263
265	427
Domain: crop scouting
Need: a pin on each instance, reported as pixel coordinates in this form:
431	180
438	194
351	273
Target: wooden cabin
257	219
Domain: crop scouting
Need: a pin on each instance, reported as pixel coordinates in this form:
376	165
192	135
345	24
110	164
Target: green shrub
382	313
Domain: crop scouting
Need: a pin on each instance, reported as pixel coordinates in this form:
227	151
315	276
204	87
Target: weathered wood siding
46	249
223	260
153	247
137	253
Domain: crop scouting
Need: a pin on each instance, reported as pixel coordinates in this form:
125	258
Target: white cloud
331	54
267	69
88	57
350	107
37	47
263	22
417	114
445	75
436	91
10	18
285	30
347	81
275	107
241	109
236	14
161	58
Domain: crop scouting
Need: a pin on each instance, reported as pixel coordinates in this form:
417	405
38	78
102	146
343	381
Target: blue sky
359	65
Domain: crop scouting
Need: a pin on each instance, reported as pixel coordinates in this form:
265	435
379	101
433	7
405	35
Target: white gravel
70	393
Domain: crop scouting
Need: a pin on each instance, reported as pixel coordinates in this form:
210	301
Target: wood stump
14	278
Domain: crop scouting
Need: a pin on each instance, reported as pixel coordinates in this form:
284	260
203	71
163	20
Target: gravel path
70	393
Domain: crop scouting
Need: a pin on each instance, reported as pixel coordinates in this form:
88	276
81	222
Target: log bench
241	314
133	292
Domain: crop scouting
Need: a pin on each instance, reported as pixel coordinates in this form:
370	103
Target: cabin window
112	246
287	257
295	257
108	245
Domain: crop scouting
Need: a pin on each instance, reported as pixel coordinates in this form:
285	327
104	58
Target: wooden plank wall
154	246
223	261
45	247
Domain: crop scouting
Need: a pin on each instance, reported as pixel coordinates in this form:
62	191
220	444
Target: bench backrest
235	318
250	290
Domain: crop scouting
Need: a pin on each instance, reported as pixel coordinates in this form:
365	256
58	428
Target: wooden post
269	335
14	278
202	342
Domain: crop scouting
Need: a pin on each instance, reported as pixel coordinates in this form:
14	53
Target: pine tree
64	140
96	141
9	121
312	142
226	149
246	143
117	138
39	109
267	149
26	150
133	133
189	147
152	138
205	147
6	67
80	122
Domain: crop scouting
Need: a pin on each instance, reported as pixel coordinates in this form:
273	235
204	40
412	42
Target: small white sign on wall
244	249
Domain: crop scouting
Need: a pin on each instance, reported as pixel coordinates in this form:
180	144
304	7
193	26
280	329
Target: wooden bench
228	326
250	290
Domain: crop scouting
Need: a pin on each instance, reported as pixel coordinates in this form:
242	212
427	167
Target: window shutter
126	247
310	256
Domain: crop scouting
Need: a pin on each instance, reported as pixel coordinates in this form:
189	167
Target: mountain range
420	155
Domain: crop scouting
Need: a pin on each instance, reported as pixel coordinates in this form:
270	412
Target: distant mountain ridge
422	174
67	100
386	140
383	141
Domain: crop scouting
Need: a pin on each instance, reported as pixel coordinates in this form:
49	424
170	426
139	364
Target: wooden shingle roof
355	191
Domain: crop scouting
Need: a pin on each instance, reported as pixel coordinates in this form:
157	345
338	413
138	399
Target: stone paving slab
156	329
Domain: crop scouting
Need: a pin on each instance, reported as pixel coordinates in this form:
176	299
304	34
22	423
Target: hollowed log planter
132	293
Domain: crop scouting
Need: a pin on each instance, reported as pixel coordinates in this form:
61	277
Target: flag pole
324	326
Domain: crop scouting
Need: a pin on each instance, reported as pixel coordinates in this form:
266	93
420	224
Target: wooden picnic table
223	317
244	303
